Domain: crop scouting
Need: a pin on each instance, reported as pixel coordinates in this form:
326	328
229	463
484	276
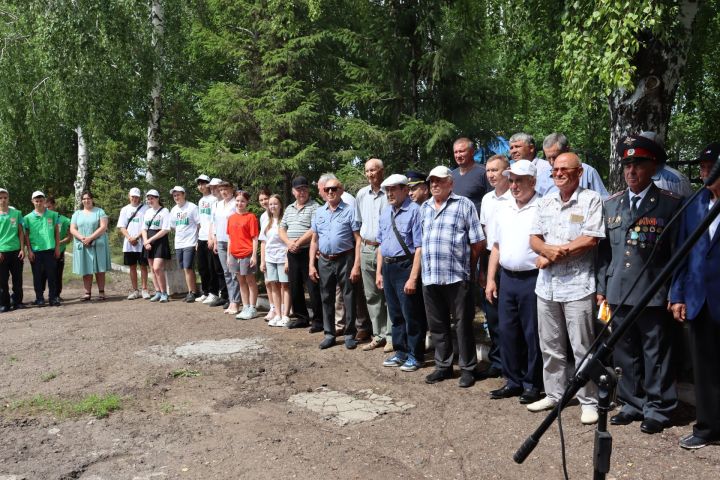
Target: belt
335	257
396	259
520	273
371	243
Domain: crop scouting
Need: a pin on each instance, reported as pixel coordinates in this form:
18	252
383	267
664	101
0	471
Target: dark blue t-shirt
473	185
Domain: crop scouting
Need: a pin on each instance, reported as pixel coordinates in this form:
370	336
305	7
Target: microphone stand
596	366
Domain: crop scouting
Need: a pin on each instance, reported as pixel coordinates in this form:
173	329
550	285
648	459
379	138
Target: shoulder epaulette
615	195
670	194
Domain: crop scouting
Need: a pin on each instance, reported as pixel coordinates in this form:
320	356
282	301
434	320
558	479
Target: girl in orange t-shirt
243	231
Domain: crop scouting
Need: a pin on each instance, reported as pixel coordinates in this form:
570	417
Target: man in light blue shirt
400	237
335	231
557	143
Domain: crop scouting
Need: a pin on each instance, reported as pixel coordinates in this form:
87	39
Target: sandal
86	297
101	295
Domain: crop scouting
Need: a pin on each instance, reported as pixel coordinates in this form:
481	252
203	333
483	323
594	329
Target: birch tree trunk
80	183
659	67
157	17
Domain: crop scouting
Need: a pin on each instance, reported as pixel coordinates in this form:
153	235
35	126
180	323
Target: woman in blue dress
91	252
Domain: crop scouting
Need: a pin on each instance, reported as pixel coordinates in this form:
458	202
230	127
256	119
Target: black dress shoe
327	342
505	392
491	372
530	395
4	309
693	442
315	328
297	324
439	375
623	418
39	302
651	426
467	379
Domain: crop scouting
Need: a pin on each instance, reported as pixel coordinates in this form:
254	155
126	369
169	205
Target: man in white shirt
185	220
130	224
491	203
209	275
517	302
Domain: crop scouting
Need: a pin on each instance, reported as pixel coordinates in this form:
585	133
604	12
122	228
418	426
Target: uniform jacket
697	280
629	241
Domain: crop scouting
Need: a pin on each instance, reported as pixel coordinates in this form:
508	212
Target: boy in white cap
130	224
208	276
12	238
185	220
221	300
42	237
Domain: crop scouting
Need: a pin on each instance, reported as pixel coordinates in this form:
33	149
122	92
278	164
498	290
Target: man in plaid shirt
452	241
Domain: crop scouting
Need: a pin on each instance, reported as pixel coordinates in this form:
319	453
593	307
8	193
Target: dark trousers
333	273
58	274
647	384
206	268
493	323
45	267
518	322
704	341
299	276
443	302
407	312
11	265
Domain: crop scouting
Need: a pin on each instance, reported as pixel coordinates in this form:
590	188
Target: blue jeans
407	312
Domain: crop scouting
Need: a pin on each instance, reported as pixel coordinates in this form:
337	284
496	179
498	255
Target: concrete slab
345	409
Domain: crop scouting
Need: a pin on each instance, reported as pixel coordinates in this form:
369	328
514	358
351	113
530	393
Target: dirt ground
234	420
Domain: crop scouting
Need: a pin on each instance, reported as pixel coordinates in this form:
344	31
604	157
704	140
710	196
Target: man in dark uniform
634	221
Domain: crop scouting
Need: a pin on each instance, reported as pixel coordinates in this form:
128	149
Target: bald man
565	234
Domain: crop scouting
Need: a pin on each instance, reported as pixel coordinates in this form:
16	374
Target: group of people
538	244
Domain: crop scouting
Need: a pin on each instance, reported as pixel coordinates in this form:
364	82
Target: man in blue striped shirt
452	241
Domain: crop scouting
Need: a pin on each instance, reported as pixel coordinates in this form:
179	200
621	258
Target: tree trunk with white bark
648	107
157	17
81	177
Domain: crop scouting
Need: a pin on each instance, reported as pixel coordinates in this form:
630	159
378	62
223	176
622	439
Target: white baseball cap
135	192
521	167
2	190
202	178
215	181
152	193
177	188
440	171
395	179
37	193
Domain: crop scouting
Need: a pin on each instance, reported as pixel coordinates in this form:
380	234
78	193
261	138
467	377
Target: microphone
714	173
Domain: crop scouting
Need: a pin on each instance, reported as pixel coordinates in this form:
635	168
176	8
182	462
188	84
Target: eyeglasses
330	189
563	170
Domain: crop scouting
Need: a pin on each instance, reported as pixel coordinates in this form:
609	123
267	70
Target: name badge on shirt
575	218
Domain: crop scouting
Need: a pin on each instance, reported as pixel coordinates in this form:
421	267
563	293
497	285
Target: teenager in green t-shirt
11	253
65	238
42	239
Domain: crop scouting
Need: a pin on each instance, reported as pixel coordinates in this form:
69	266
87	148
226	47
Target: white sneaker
201	298
134	295
589	415
145	294
283	321
271	314
542	404
275	322
209	299
243	315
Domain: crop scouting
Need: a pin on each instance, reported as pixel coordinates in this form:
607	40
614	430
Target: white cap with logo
177	188
152	193
135	192
521	167
202	178
215	181
37	193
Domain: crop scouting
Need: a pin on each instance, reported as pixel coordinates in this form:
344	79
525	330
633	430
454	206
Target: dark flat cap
300	182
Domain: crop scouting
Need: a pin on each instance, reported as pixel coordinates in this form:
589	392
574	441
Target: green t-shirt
41	230
9	239
64	229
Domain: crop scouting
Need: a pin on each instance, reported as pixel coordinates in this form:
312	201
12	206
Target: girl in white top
273	263
156	226
218	241
263	198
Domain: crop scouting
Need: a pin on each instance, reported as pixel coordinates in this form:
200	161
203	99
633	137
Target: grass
98	406
166	408
185	373
46	377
